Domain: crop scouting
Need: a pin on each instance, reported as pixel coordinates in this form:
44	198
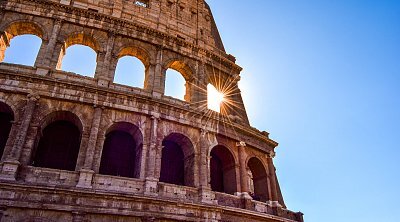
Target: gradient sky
323	77
328	76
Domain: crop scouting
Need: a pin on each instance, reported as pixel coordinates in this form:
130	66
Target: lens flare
214	98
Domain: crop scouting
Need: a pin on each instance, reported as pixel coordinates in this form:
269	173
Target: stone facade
216	150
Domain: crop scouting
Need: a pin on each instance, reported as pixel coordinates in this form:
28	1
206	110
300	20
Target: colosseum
80	148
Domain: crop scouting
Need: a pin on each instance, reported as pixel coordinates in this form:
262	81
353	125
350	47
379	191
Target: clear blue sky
327	74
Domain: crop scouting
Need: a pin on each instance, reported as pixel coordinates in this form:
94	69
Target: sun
214	98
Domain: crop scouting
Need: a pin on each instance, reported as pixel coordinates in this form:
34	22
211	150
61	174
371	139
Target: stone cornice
77	85
218	56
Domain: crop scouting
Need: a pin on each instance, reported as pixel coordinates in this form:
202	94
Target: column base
274	204
243	195
246	200
9	170
65	2
41	71
85	179
103	82
207	196
150	187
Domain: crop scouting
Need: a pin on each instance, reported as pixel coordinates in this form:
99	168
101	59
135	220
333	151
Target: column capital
271	154
33	96
96	106
203	132
58	21
155	116
241	144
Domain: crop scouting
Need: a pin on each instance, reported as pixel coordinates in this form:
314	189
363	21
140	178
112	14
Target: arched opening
59	142
23	50
6	118
79	55
175	84
214	98
177	161
20	43
122	151
132	67
222	170
259	180
80	59
130	71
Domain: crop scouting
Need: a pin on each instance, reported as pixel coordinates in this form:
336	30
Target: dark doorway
122	151
260	181
59	146
172	165
177	161
6	117
222	170
119	156
217	175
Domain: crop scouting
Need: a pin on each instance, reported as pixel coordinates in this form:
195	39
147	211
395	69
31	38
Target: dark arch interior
260	181
122	151
177	161
6	117
58	146
172	165
222	170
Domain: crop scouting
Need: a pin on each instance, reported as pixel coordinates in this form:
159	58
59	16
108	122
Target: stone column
200	88
244	177
11	164
43	62
151	179
86	173
272	179
143	162
205	193
203	174
158	79
103	63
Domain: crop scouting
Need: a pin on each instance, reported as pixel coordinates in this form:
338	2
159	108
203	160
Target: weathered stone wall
166	34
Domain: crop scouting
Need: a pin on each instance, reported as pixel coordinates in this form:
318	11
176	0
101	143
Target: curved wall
162	34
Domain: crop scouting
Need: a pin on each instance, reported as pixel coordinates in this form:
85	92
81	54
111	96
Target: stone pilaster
203	168
43	61
53	40
86	173
158	77
272	179
244	178
151	178
206	195
98	111
199	88
103	63
11	163
143	162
